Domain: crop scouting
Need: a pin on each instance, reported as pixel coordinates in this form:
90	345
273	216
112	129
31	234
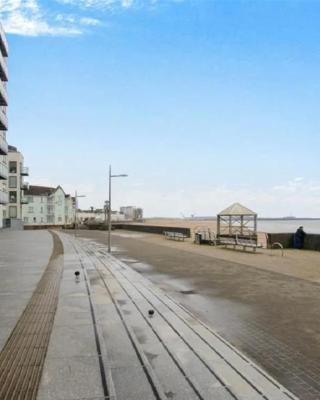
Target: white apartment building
16	185
3	125
48	206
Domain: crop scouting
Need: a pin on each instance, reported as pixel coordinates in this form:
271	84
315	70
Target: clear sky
202	102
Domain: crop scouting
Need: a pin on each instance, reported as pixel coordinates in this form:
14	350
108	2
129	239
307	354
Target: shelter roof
237	209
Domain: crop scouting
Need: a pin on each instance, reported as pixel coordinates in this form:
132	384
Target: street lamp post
109	208
76	196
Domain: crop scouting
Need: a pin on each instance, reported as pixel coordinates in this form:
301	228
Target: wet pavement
166	354
271	317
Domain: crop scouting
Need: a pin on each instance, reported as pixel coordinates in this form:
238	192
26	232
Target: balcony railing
24	171
25	186
3	69
3	171
3	121
3	42
3	145
4	197
3	95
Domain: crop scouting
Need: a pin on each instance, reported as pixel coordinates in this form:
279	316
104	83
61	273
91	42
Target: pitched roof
237	209
39	191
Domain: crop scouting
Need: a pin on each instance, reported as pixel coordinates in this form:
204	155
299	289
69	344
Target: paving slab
70	378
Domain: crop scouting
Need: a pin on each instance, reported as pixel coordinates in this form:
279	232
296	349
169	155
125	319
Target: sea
288	226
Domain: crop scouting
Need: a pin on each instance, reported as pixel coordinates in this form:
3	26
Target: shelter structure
237	221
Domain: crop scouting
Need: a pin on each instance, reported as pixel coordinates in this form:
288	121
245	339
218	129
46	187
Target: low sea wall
153	228
311	242
38	227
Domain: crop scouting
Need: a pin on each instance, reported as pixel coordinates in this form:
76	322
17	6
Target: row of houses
34	205
127	213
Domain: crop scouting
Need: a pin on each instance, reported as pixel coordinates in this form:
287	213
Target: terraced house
48	206
3	125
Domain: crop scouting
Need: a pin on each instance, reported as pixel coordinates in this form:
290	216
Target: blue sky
203	103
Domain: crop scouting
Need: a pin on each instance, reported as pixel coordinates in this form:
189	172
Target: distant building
48	206
3	125
97	215
132	213
16	185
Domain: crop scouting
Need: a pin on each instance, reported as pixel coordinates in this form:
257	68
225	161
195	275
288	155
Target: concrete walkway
23	259
105	345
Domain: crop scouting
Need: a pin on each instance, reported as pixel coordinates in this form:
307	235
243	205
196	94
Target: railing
3	145
25	186
3	94
3	42
4	197
3	68
3	121
3	171
25	171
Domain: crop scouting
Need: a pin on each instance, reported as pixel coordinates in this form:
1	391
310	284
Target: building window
12	181
30	210
41	210
12	167
26	220
59	219
13	197
12	212
30	199
41	199
41	219
34	219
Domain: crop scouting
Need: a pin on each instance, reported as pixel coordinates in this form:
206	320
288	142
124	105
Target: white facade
15	184
48	206
97	216
3	125
132	213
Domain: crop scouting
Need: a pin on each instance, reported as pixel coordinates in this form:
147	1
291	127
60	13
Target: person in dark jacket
298	238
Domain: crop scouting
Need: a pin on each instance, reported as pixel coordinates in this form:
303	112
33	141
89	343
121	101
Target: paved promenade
104	343
23	259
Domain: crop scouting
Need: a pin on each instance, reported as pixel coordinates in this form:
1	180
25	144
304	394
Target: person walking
298	238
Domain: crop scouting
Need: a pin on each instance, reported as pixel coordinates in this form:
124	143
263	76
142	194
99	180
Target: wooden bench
175	236
244	243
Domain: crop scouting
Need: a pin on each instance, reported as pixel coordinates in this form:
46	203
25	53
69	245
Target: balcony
3	121
3	145
24	171
24	200
25	186
4	197
3	69
3	42
3	171
3	94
